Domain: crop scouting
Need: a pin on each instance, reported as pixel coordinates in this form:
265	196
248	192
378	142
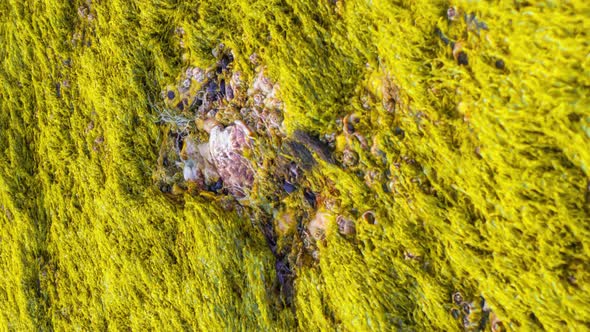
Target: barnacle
319	224
369	217
345	226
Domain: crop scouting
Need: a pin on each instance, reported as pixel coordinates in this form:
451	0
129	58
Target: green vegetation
477	165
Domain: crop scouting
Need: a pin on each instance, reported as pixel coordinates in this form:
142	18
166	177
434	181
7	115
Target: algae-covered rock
399	152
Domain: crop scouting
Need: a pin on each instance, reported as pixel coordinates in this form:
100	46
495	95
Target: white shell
190	171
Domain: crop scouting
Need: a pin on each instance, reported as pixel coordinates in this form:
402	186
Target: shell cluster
224	138
474	315
213	116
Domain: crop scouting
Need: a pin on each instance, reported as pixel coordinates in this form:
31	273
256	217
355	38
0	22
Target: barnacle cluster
211	118
223	138
474	315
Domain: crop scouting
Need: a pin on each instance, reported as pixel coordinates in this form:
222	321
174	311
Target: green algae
490	179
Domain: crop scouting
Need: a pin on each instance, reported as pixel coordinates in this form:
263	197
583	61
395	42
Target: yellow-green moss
491	178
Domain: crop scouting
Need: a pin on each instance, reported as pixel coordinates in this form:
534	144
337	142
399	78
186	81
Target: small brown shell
466	307
349	122
373	177
253	58
345	226
369	217
362	140
258	99
495	323
349	158
452	13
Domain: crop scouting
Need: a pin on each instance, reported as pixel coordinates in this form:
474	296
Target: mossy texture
482	168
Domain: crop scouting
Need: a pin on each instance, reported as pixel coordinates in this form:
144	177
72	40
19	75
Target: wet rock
315	144
303	154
